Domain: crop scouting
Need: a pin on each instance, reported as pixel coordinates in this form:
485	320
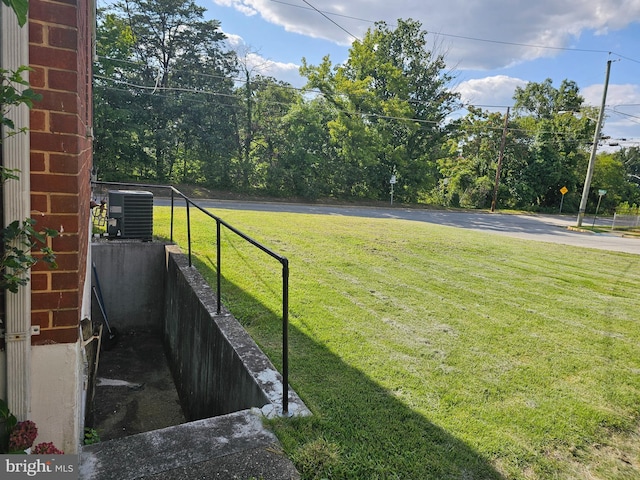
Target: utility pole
594	148
500	157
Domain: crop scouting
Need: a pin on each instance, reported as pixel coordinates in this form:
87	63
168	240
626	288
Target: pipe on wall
14	52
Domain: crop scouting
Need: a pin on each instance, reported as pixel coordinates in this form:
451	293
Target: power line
148	90
327	15
208	75
626	115
239	80
303	90
324	11
332	21
167	89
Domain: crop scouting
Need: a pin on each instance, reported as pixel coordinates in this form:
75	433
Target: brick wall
60	51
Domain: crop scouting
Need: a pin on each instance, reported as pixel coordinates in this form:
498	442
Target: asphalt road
544	228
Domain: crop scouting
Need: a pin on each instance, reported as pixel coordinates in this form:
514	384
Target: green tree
543	100
274	100
558	147
630	158
391	97
308	167
262	103
609	174
120	116
546	144
173	72
469	168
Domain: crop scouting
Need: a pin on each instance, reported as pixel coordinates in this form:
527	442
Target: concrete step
231	446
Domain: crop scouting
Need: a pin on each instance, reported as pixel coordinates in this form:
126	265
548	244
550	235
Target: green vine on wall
18	239
11	95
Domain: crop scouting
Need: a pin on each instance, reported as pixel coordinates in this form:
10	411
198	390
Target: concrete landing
135	392
234	446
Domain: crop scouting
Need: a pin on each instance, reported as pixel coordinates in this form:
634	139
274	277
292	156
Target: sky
492	46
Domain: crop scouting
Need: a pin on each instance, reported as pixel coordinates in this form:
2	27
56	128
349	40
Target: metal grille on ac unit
130	214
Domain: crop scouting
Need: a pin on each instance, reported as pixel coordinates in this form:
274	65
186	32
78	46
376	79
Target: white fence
625	221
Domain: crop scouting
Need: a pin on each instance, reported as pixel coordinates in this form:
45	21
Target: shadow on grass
358	429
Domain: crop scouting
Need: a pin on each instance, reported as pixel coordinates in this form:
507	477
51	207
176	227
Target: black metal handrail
219	223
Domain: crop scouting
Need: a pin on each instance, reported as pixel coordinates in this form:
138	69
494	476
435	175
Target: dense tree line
173	104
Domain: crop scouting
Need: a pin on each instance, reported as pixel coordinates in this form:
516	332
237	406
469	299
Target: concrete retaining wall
131	277
205	349
216	366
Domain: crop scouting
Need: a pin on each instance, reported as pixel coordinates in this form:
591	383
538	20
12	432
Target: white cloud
242	7
259	65
491	92
287	72
481	35
616	94
622	111
234	41
458	23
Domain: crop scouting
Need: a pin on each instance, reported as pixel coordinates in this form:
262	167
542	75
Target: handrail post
285	336
171	236
189	232
218	261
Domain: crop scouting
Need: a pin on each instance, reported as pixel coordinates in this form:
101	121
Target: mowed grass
429	352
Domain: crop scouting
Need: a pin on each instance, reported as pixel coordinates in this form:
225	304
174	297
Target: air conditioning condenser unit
130	214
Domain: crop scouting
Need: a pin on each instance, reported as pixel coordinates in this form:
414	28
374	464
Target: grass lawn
428	352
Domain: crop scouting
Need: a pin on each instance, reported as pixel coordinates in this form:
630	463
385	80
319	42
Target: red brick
39	204
53	300
61	223
61	163
35	33
63	80
41	318
65	318
39	282
53	57
40	266
64	123
56	335
64	203
37	162
54	183
37	120
63	37
54	142
64	281
57	101
53	13
65	260
65	243
36	77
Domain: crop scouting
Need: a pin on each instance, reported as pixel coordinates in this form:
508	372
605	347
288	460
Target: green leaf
20	7
4	409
